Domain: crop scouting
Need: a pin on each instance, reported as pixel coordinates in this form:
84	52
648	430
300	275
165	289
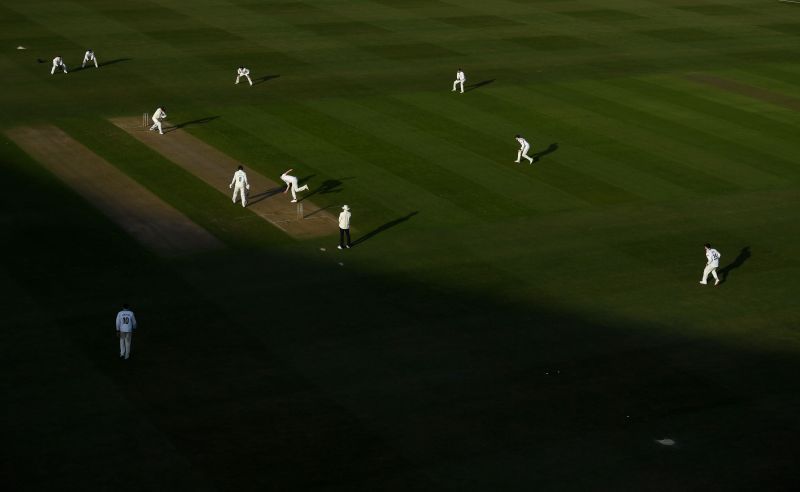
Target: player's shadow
743	256
199	121
265	78
116	60
101	65
384	227
315	212
327	186
253	199
549	150
478	85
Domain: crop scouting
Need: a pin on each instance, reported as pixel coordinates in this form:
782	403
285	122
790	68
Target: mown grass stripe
651	130
564	146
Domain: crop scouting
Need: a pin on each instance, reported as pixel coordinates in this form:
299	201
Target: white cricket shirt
344	219
126	321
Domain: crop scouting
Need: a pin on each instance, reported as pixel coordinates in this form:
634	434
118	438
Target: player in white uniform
460	79
243	72
58	62
240	180
126	323
89	57
159	115
291	184
524	147
712	263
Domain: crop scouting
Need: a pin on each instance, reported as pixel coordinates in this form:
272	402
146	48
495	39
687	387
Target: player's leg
121	344
303	188
83	63
53	70
455	84
128	342
243	196
64	67
160	128
95	62
347	233
462	86
341	238
519	155
714	274
249	80
237	78
706	271
525	154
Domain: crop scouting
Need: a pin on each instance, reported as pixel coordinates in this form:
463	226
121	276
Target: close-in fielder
159	115
460	79
126	323
291	185
58	62
89	57
524	147
243	72
240	181
712	263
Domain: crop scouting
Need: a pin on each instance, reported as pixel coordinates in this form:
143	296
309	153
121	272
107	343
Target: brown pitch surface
143	215
216	168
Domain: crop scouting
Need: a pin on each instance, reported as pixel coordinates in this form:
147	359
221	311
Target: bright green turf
503	327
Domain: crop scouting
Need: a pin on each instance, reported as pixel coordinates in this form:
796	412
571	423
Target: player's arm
232	181
134	325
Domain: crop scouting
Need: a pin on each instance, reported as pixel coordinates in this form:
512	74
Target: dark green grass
498	327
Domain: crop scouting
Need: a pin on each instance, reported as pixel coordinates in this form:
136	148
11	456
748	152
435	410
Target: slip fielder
243	72
89	57
58	62
712	263
460	79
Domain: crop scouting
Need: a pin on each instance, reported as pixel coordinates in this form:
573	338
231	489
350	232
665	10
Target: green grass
502	327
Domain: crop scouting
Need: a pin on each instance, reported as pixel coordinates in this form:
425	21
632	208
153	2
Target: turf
497	326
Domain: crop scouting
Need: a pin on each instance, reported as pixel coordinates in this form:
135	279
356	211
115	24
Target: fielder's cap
345	207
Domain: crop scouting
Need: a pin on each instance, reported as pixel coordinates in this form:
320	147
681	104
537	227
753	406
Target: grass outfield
498	326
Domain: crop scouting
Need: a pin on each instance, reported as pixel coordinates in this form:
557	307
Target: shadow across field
199	121
265	78
101	65
385	227
253	199
327	186
478	85
743	256
549	150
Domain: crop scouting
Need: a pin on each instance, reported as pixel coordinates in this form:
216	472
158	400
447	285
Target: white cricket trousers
89	61
125	339
240	190
245	76
157	124
712	269
523	152
455	84
63	67
295	189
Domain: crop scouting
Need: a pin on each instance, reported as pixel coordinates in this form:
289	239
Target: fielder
460	79
291	184
126	323
58	62
88	58
159	115
243	72
712	257
240	180
524	147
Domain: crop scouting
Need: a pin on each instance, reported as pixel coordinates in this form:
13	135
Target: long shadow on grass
743	256
549	150
253	199
101	65
271	370
327	186
385	227
265	78
199	121
478	85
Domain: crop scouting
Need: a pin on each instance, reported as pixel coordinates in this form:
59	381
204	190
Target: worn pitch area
216	169
143	215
